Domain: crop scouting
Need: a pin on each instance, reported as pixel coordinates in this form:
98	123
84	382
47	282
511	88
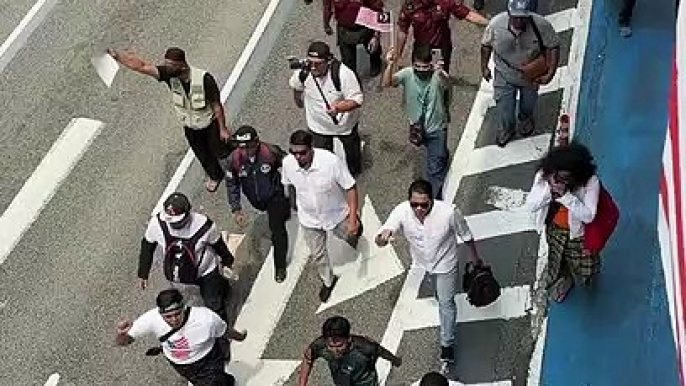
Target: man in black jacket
190	243
254	169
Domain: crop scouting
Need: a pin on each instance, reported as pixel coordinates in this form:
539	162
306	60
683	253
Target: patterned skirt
566	258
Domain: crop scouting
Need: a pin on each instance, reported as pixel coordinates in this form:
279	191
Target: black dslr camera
299	64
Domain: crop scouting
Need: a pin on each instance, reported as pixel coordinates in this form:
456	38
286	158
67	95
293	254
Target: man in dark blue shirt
254	169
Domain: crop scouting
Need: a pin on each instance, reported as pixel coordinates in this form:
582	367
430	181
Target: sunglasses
423	205
299	152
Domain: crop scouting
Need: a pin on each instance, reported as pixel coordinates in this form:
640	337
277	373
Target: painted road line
227	90
500	223
456	383
53	380
564	20
372	267
514	302
45	180
23	30
233	240
520	151
260	314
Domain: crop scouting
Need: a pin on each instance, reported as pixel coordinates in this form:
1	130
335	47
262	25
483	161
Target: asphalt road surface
71	276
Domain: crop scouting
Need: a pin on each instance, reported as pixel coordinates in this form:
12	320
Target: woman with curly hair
564	198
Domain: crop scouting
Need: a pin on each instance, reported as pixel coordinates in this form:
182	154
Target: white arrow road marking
260	314
372	267
53	380
233	240
506	198
512	303
45	180
23	30
519	151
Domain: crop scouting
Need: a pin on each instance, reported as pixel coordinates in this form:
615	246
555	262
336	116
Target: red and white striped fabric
672	216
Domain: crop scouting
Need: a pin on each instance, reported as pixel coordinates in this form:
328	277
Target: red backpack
598	231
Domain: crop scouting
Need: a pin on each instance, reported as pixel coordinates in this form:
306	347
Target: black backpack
335	75
180	262
481	287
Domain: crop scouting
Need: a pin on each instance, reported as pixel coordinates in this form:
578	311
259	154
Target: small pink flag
378	21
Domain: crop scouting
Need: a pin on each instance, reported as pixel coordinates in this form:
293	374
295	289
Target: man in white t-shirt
326	198
190	244
189	337
432	228
332	97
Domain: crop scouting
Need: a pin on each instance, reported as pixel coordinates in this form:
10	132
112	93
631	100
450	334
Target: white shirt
582	204
203	251
433	244
320	191
315	109
188	345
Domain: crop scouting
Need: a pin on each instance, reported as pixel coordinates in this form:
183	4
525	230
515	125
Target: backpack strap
157	350
165	231
203	229
336	74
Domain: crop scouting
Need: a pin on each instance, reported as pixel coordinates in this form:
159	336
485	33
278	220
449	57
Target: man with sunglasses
332	97
253	168
197	102
351	358
191	244
432	228
190	338
327	201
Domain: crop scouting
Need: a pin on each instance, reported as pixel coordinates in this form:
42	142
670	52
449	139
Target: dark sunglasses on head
423	205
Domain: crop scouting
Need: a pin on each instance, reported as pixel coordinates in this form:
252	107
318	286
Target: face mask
424	74
174	72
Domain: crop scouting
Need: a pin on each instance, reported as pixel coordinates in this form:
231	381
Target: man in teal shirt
424	85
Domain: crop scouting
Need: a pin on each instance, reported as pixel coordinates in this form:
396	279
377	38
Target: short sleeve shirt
212	94
423	97
354	368
188	345
511	51
203	250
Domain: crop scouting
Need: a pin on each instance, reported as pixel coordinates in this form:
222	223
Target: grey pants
505	95
316	242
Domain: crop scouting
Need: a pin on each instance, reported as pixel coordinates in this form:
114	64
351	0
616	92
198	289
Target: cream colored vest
192	109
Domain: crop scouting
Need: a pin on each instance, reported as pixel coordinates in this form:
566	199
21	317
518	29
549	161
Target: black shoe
447	354
280	275
308	1
478	5
325	292
528	126
504	137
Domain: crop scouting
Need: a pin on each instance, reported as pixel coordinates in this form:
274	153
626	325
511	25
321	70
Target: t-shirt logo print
180	348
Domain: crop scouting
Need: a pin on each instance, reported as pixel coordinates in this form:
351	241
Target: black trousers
278	212
349	50
208	371
626	12
207	148
215	290
352	144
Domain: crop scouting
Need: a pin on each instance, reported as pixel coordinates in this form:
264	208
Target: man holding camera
425	85
349	34
331	95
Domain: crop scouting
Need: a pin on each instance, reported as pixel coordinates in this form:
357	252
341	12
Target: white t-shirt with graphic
188	345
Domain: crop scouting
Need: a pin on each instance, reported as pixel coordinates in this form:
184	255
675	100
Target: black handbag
480	285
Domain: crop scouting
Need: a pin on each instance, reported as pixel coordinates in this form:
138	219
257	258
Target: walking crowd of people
321	187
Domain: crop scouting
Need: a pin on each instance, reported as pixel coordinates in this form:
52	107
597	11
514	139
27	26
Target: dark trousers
349	50
626	12
352	144
215	290
208	371
205	147
278	212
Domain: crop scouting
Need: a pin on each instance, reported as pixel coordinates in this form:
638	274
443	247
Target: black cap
176	206
170	300
176	54
319	50
245	134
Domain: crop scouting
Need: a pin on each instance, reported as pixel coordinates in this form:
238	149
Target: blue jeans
505	95
436	143
446	289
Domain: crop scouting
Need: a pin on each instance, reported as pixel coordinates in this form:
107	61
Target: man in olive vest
195	96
